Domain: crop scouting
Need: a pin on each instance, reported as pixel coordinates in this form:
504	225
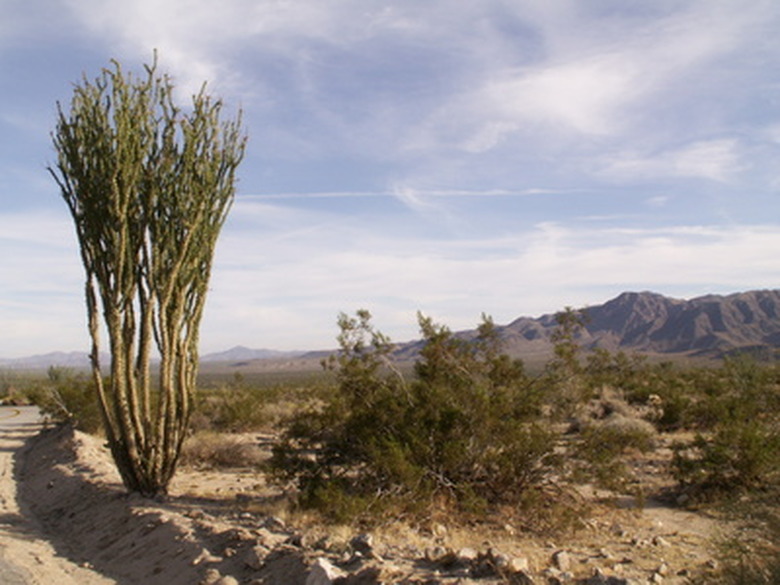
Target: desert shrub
565	381
459	434
209	450
739	446
68	396
239	406
231	408
602	447
618	370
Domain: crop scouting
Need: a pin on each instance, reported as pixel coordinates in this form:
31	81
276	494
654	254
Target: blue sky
448	156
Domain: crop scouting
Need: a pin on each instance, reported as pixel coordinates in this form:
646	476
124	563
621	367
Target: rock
363	543
226	580
663	569
466	555
274	523
561	560
660	541
520	578
372	575
210	577
255	557
518	565
206	557
436	554
270	539
499	559
322	572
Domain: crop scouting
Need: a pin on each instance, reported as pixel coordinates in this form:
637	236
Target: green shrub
460	434
739	447
69	396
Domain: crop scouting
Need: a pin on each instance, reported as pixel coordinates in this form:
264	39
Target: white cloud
288	292
717	160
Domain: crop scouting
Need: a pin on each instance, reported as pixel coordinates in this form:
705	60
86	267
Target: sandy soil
23	545
226	527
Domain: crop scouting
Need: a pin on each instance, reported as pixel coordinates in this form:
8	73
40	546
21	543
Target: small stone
518	565
226	580
323	572
206	557
210	577
363	543
255	557
660	541
500	560
521	578
435	554
663	569
657	578
467	555
274	523
712	564
562	560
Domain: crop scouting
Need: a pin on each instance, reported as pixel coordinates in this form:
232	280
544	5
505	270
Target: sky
505	157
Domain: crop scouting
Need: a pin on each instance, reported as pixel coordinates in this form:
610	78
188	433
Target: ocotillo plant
149	186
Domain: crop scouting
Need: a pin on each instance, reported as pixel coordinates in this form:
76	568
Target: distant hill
80	359
244	354
646	322
72	359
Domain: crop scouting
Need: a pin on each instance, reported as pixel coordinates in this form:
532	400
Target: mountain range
642	322
647	322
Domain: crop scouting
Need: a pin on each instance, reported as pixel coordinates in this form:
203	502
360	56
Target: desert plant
738	448
565	379
210	450
148	187
68	396
460	433
602	447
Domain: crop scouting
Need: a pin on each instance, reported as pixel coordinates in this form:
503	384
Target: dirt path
27	558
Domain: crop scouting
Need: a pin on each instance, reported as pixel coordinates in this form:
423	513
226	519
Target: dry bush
603	447
209	450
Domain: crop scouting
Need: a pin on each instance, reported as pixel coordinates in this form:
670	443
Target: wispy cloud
716	160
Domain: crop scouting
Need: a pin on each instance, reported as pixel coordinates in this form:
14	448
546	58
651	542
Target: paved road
26	558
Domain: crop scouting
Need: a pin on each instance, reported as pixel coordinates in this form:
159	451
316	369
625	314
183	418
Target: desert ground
66	519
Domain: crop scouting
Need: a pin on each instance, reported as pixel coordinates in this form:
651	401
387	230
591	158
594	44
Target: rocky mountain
652	323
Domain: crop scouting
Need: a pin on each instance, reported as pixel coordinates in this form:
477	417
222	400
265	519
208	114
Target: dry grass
210	450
